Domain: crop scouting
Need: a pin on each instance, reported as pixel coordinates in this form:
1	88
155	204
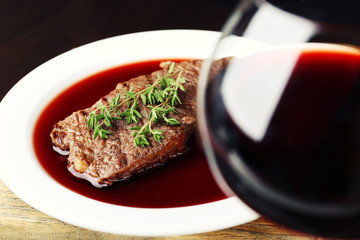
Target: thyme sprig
156	114
164	92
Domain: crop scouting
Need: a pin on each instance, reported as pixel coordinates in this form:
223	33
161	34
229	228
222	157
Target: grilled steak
117	158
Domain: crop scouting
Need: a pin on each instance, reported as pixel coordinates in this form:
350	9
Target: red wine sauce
184	181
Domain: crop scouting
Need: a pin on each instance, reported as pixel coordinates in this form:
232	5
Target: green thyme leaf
164	92
172	68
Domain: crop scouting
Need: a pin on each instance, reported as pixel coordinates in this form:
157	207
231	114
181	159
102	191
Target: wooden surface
32	32
21	221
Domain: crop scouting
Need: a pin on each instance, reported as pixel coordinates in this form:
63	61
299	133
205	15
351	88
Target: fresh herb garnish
164	92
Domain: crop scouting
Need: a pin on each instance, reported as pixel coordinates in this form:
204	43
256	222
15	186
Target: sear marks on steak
117	158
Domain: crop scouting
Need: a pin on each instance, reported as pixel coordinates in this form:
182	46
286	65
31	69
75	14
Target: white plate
22	173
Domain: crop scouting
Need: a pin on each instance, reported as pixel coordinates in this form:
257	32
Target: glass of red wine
281	126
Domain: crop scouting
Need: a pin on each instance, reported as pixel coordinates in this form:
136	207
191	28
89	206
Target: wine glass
280	123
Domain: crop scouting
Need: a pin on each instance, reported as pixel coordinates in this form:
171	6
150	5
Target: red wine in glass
287	140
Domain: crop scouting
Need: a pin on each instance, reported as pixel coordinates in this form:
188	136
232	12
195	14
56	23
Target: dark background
32	32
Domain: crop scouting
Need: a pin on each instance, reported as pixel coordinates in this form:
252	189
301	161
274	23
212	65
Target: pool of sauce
183	181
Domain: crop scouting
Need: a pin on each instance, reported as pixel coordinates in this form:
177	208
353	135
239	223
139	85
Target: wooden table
32	32
18	220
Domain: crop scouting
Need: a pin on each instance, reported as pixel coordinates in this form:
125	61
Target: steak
103	161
